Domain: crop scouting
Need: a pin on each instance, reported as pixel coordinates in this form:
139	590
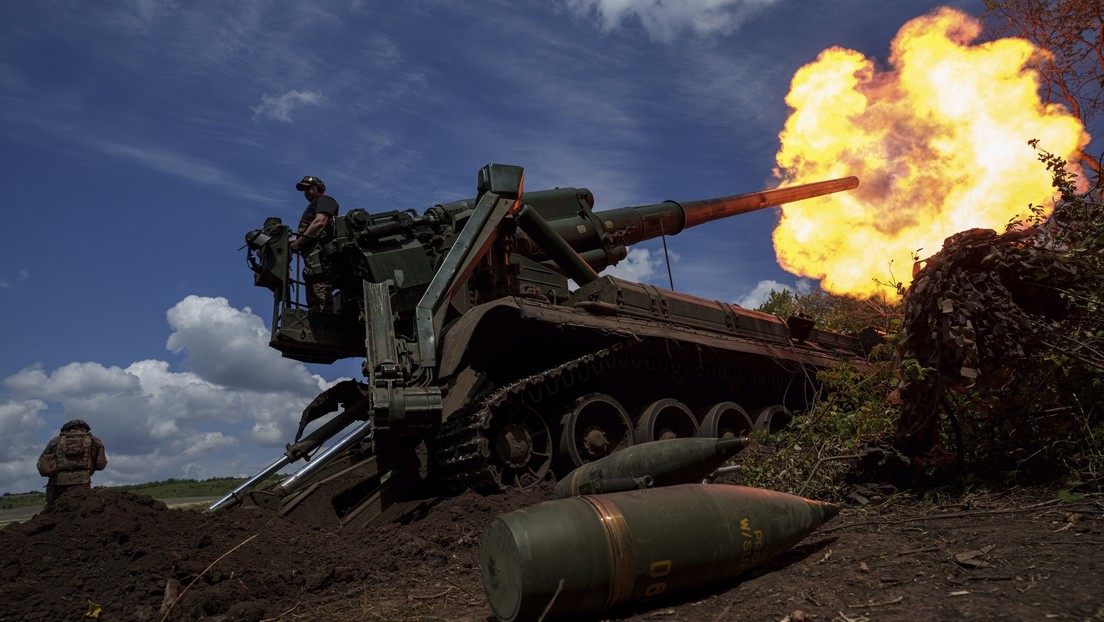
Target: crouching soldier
70	459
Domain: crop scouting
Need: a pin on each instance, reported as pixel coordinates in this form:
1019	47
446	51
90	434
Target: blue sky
141	139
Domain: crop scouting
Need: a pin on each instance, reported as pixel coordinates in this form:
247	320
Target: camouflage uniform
70	459
319	288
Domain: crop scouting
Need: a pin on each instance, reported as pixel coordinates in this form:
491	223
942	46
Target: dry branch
200	575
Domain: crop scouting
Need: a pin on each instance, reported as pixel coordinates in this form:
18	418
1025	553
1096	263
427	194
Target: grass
167	489
11	501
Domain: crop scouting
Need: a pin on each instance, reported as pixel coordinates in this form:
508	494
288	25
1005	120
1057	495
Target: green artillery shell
586	554
673	461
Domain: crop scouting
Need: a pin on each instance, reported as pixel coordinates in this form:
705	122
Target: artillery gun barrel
646	222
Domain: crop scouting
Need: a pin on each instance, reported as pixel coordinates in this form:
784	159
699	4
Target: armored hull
594	378
484	367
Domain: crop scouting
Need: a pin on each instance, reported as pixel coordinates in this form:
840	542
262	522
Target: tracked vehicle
496	356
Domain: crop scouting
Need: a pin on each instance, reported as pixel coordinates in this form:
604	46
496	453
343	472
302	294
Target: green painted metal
582	555
673	461
464	313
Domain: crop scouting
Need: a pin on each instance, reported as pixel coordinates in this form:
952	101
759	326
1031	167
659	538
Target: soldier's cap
308	181
74	424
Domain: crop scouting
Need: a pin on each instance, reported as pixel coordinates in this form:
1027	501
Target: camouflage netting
974	319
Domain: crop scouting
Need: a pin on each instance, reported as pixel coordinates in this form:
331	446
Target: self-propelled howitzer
484	366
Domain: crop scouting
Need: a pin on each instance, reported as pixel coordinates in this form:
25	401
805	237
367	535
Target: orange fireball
939	140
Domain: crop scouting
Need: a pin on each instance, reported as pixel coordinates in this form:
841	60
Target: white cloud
239	398
75	380
280	107
229	347
18	422
205	442
758	295
663	20
20	276
266	433
172	163
638	266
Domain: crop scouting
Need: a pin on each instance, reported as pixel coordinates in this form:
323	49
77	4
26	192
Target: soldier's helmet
76	424
310	181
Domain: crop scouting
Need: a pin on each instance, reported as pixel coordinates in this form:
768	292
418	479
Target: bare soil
1022	554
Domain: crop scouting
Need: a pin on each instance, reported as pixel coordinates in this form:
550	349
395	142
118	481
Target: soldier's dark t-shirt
324	204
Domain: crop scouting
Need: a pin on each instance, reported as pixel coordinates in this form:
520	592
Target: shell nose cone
729	446
823	511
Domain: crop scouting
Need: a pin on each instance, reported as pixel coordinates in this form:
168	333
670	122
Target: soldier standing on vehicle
316	226
70	459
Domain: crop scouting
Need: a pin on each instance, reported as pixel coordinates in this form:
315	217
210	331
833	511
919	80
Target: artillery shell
673	461
581	555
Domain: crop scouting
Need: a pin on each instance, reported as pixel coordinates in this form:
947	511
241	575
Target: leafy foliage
815	454
834	313
1007	336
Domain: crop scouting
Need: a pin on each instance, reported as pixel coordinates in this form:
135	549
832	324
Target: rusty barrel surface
646	222
586	554
667	462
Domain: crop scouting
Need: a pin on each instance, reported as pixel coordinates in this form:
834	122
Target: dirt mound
1011	557
119	551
